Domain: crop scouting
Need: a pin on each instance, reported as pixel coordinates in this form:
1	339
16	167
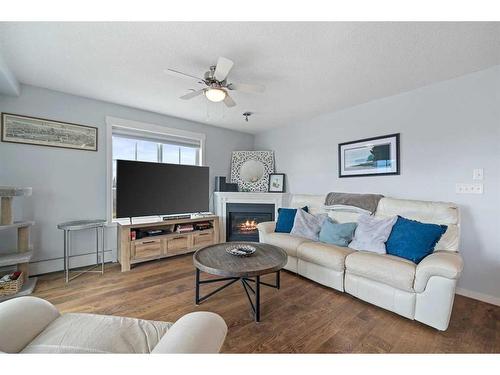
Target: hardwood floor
302	317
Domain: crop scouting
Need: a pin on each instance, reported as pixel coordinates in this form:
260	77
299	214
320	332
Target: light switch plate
478	174
469	188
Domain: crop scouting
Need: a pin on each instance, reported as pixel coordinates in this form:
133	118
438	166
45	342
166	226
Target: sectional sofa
423	292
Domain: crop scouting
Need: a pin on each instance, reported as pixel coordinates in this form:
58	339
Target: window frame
124	125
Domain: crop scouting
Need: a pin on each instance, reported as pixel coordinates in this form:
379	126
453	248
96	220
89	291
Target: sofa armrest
198	332
22	319
446	264
266	227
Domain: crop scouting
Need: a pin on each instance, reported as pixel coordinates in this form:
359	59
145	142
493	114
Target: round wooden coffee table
216	261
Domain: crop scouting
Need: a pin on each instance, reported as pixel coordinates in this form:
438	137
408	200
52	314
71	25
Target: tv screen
144	189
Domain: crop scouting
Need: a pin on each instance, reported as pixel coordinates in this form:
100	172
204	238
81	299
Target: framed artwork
251	169
43	132
378	156
277	183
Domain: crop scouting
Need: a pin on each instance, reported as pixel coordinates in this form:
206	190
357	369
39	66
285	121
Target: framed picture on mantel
276	182
378	156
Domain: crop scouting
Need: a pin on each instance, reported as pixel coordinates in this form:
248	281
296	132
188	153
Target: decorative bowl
241	250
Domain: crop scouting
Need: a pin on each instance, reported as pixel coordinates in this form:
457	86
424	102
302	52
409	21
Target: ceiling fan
218	87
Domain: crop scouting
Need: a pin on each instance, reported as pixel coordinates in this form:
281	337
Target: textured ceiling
308	68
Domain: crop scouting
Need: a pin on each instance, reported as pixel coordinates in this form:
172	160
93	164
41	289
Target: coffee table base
255	305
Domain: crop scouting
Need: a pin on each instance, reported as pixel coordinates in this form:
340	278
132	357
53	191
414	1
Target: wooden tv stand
164	245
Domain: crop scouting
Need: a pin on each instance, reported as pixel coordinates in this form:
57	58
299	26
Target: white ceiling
308	68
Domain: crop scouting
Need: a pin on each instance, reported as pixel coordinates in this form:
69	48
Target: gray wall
71	184
447	129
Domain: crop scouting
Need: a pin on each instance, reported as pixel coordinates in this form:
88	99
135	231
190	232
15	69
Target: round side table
70	226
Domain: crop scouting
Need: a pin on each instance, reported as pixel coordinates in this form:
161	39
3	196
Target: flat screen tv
144	189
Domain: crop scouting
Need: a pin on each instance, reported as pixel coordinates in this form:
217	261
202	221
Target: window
160	149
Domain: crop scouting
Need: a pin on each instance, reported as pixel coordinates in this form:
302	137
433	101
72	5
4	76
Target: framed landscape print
376	156
276	182
43	132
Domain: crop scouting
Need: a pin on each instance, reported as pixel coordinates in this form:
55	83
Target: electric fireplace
242	220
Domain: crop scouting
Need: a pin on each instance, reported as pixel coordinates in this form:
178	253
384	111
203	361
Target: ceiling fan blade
222	68
192	94
228	101
246	87
176	73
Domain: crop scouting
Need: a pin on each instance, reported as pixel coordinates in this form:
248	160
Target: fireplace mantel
222	198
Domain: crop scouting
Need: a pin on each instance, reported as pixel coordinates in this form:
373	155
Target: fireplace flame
248	226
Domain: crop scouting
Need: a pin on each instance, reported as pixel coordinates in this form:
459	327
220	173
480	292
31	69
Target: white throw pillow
371	234
307	225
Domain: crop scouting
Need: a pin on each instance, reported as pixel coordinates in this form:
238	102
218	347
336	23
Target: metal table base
80	225
254	304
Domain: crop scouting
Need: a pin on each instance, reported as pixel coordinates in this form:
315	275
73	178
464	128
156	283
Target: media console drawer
146	248
203	238
177	245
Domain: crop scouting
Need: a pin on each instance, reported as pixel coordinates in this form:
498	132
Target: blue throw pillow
286	217
412	239
337	234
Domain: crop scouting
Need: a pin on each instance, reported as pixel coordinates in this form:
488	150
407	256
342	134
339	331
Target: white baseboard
479	296
54	265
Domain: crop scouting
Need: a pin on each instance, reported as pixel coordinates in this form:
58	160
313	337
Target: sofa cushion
307	225
286	217
386	269
285	241
337	234
90	333
371	234
413	240
323	254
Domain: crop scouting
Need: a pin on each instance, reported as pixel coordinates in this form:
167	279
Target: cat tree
20	256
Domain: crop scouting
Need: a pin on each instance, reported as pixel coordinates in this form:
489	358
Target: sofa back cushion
314	203
440	213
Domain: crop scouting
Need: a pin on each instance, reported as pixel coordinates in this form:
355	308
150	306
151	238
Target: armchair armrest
446	264
22	319
266	227
198	332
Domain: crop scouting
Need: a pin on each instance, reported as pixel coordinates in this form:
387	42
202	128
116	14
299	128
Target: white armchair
33	325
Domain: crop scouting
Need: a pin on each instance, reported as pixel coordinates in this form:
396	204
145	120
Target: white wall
447	129
71	184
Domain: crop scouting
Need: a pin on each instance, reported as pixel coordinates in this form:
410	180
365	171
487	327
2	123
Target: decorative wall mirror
251	169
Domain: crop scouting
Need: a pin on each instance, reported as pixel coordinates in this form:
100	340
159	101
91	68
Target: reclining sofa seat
423	292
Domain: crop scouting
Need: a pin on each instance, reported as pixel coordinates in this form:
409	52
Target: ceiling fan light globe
215	95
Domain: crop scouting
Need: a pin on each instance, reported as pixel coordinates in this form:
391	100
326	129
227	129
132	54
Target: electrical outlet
469	188
478	174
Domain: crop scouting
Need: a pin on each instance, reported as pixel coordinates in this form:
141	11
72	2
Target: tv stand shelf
132	251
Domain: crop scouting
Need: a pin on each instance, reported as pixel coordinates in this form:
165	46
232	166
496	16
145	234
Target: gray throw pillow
371	234
307	225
